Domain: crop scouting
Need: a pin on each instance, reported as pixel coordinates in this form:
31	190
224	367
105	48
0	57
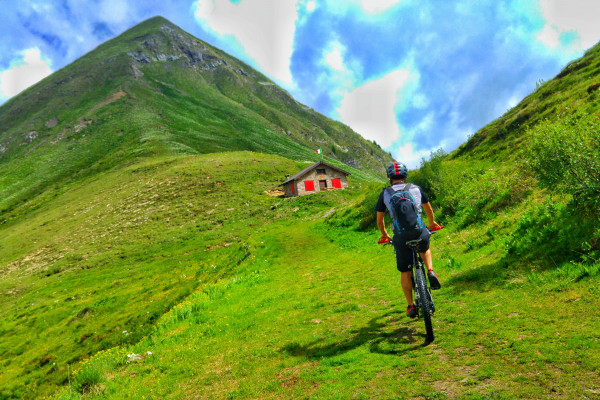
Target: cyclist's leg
424	250
425	253
404	265
406	281
427	259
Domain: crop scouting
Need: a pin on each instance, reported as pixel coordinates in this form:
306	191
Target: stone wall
314	176
288	189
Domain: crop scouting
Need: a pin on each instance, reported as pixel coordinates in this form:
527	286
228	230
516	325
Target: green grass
142	258
329	323
221	291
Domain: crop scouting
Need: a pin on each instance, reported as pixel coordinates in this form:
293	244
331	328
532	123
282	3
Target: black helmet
397	170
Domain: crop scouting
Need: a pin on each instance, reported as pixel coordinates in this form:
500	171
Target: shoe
434	282
411	311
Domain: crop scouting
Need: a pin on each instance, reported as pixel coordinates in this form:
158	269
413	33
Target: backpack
406	219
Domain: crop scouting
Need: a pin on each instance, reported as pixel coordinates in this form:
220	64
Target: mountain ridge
574	88
156	89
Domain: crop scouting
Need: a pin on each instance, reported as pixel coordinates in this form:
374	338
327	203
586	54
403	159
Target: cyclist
397	173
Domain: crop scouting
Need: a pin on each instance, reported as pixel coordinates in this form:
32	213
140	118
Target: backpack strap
391	191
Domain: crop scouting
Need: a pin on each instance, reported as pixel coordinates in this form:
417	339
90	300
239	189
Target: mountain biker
397	173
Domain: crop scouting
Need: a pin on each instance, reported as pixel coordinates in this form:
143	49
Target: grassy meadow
316	311
174	278
144	255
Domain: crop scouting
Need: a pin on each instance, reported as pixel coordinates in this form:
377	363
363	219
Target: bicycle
422	293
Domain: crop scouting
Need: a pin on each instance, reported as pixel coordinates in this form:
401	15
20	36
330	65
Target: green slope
156	90
574	89
132	224
317	312
544	154
114	253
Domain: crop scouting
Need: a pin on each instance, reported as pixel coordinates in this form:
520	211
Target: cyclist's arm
381	225
430	218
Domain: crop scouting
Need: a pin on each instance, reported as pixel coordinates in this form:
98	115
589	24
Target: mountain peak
156	89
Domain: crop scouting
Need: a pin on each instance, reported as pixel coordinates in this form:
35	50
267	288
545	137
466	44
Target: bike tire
424	302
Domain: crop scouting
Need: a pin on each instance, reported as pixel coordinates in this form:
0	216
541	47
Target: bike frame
422	294
423	299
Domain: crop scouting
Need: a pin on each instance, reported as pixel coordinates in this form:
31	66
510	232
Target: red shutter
337	183
309	185
292	185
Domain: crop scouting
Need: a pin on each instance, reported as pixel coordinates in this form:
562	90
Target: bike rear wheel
424	301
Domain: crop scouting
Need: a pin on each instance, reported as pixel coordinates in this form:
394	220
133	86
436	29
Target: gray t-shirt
383	202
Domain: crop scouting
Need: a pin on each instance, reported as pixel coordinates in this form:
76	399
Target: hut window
320	170
336	183
309	186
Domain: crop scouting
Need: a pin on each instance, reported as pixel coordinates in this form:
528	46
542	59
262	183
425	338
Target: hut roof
307	170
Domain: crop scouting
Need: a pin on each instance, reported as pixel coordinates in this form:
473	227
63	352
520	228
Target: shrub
593	87
429	175
359	216
554	231
565	156
470	190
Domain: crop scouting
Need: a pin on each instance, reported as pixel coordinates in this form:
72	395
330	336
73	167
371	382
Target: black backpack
406	219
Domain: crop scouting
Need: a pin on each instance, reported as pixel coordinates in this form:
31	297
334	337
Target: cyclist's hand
384	238
434	227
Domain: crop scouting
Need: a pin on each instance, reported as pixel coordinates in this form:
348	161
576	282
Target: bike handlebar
386	241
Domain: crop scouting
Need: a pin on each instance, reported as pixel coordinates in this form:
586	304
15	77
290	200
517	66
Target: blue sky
413	75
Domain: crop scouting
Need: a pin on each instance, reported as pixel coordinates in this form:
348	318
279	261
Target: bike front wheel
424	301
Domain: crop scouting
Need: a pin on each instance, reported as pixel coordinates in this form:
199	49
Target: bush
429	175
565	156
471	190
360	216
554	231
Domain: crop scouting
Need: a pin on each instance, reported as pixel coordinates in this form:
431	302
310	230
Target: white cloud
370	109
420	101
333	56
24	73
580	16
368	6
264	28
377	6
549	36
407	155
115	11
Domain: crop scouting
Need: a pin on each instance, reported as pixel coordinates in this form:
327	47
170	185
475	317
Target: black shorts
404	253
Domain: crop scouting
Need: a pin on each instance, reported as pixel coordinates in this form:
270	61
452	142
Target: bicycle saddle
413	243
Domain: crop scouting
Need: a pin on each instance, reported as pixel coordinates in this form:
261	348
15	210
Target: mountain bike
422	292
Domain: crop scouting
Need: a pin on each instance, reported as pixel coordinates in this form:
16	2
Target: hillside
137	262
574	89
544	153
156	90
97	266
149	281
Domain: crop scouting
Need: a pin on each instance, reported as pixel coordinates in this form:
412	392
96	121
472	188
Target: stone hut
316	178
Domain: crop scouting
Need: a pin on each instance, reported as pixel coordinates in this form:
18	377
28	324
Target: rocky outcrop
31	136
169	44
51	123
